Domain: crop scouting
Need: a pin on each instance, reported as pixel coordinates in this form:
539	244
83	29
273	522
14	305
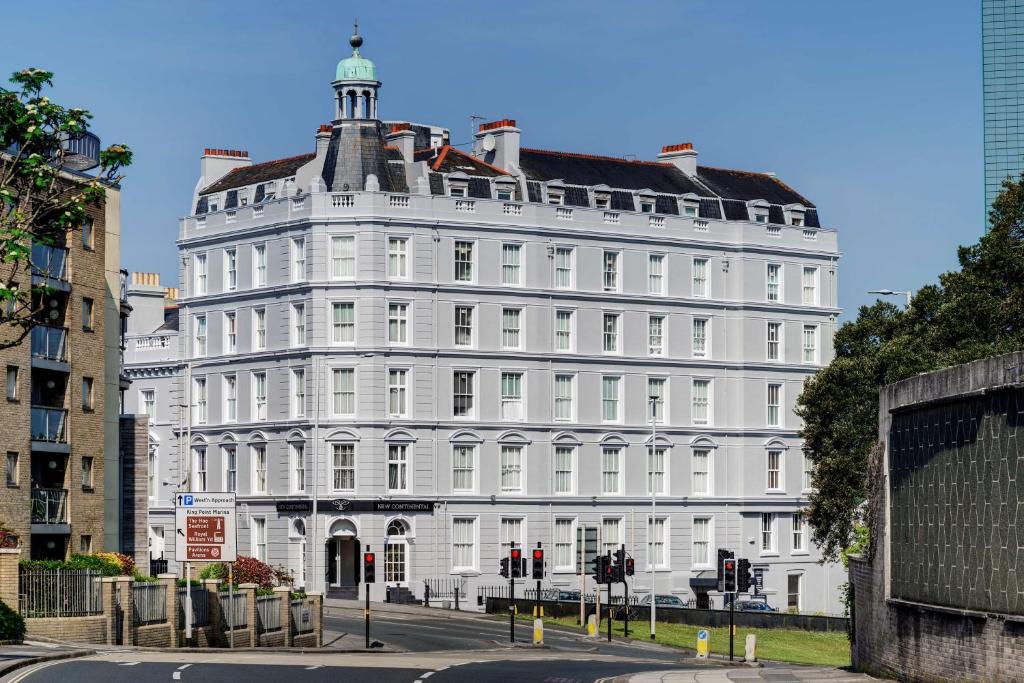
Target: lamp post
889	292
654	505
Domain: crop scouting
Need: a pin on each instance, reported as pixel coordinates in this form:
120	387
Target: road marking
128	663
183	667
176	676
25	673
315	666
427	675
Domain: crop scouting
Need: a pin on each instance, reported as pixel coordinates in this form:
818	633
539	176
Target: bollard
538	631
426	595
592	626
750	653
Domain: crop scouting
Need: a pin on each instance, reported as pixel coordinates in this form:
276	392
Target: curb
32	661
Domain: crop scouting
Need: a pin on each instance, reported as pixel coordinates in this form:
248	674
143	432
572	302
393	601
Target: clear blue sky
871	109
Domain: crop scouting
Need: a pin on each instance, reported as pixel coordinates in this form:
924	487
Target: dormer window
646	200
602	197
690	204
458	184
214	203
758	210
243	197
795	214
456	191
269	192
556	192
760	217
504	189
504	195
797	221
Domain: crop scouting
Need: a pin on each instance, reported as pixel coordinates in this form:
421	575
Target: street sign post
204	530
703	644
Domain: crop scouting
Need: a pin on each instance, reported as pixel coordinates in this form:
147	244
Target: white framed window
774	404
199	469
259	538
810	344
398	258
565	470
230	455
397	392
259	265
611	535
565	540
512	407
259	395
701	408
297	455
199	412
148	399
656	273
298	392
611	332
343	322
343	391
700	278
702	542
774	470
463	392
511	468
463	332
343	257
259	467
611	470
463	261
610	395
259	328
230	398
565	394
807	469
298	259
511	328
657	472
611	271
773	279
343	467
564	327
701	346
774	340
564	270
464	544
767	544
298	324
657	536
657	389
230	332
810	286
398	466
798	533
464	468
794	594
398	323
201	274
231	269
511	264
199	338
511	535
702	477
656	335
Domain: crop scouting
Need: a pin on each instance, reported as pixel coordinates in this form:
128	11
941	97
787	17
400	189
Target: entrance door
396	556
342	567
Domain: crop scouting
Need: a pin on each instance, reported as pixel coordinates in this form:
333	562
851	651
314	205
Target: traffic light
504	567
743	578
599	562
516	562
369	568
723	555
728	575
620	556
630	566
538	563
609	572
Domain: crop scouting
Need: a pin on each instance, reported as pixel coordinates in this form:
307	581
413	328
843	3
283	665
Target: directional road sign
205	527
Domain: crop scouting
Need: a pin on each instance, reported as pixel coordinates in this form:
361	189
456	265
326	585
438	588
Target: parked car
662	602
755	606
570	596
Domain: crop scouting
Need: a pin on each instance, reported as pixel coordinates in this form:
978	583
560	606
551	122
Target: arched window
396	528
396	553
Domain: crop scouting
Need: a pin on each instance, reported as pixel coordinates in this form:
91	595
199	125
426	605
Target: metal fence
444	588
302	615
149	603
60	592
235	610
268	613
200	606
157	567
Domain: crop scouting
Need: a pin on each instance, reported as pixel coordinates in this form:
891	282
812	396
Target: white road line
315	666
176	675
128	663
427	675
183	667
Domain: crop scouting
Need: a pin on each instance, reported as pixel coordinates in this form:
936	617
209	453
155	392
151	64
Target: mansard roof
448	159
259	173
589	169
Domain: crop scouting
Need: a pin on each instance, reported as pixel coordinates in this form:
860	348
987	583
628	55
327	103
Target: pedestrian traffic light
369	568
538	563
743	578
599	562
728	575
630	566
516	562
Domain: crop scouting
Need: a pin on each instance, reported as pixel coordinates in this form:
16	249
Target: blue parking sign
188	500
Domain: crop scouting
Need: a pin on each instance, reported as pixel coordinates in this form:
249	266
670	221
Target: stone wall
76	629
918	641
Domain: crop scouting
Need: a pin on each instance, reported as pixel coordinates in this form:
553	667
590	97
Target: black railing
49	342
49	506
48	424
51	262
157	567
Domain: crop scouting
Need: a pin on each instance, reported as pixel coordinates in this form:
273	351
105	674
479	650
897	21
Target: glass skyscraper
1002	37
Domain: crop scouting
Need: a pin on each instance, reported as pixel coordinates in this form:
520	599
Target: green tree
970	313
40	201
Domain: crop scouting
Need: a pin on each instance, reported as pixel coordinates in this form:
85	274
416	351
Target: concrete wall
913	641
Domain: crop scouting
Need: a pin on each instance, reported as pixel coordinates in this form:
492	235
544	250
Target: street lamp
654	505
889	292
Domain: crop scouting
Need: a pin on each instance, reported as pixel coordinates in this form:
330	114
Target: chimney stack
497	143
683	156
403	137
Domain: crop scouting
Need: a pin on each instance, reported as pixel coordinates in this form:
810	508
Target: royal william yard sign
205	527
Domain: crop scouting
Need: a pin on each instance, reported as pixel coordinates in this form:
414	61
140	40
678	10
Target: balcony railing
49	342
51	262
49	424
49	506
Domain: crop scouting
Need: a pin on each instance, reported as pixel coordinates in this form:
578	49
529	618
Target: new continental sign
347	505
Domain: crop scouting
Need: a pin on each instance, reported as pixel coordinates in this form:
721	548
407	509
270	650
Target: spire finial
356	40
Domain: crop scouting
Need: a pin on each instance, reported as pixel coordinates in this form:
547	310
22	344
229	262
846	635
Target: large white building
393	342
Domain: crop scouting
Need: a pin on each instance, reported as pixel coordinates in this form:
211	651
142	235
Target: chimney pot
682	155
503	123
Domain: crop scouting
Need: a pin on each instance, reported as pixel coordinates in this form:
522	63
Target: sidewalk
13	657
394	608
775	674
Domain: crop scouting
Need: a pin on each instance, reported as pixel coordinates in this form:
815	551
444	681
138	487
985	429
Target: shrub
125	563
104	565
12	625
247	570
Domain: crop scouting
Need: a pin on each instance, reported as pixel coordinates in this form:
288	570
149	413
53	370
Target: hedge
12	625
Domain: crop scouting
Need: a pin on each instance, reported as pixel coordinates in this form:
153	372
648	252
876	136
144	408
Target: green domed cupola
356	67
355	84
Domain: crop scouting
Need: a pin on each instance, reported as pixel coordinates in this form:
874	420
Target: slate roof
356	152
170	320
259	173
450	159
745	185
588	169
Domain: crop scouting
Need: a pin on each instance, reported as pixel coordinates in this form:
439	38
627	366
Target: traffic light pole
732	623
511	608
610	613
366	612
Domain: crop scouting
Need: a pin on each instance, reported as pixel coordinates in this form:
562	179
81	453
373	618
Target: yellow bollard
538	631
592	626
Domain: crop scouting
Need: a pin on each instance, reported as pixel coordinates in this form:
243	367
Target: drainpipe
311	530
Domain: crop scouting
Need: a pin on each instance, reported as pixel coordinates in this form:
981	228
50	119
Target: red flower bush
124	562
247	570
